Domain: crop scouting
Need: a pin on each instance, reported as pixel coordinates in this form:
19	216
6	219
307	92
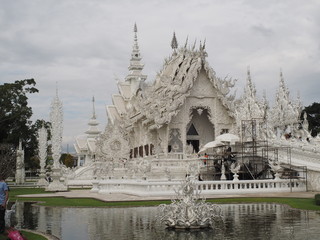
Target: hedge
317	198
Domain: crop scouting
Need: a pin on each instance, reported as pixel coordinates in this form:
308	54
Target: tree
7	160
67	160
15	114
313	117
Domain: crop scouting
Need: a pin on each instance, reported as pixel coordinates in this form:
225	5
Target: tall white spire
135	76
93	130
250	88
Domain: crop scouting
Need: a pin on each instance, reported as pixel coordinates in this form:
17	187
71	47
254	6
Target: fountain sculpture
188	211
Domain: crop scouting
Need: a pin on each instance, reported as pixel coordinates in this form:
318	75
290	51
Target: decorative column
20	170
56	118
42	148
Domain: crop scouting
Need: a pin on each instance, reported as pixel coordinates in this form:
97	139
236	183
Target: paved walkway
117	197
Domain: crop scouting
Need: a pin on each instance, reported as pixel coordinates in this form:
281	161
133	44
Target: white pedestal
56	185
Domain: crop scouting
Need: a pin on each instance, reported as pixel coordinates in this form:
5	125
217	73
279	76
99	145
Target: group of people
227	156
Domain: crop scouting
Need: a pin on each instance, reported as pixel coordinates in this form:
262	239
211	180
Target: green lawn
301	203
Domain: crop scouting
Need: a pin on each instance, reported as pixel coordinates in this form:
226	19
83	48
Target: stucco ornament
188	211
112	145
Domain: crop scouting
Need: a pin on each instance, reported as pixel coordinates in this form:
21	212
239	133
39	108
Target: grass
300	203
33	236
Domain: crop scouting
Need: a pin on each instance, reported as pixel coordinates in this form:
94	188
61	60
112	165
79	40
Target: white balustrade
206	188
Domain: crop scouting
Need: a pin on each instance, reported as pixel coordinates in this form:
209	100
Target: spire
93	130
174	43
282	85
250	87
135	29
135	76
93	109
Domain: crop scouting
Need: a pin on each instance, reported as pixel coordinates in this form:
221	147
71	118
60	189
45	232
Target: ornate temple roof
174	83
159	102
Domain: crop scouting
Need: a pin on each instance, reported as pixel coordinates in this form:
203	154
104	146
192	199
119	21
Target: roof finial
185	45
93	109
194	45
135	29
174	43
281	79
56	88
204	44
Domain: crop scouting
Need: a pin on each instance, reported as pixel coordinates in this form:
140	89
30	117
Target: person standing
4	195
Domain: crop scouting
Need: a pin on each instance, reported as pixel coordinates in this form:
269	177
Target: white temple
155	130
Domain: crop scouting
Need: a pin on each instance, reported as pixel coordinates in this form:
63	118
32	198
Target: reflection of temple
270	221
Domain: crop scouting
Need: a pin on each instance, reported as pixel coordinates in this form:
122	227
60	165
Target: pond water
239	221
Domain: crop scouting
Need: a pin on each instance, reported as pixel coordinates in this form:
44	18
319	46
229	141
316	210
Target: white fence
206	188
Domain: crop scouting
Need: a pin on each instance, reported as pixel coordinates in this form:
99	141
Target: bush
317	198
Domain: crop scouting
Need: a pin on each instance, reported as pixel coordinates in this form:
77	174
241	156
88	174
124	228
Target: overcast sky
84	45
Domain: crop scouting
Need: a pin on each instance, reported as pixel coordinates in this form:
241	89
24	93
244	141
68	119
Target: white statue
20	167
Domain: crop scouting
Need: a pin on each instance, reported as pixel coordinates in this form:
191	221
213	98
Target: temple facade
155	129
185	107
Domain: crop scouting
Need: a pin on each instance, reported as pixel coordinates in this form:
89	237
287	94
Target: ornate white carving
113	145
42	152
20	167
285	112
188	211
56	119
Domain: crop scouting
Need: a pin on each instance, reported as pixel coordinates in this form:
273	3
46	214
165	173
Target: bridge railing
206	188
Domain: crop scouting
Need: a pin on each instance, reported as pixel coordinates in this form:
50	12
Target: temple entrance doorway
199	130
194	144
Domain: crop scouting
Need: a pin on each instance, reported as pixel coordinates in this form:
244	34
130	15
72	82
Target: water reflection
239	221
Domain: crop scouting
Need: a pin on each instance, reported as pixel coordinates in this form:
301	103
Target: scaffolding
254	155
